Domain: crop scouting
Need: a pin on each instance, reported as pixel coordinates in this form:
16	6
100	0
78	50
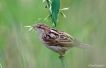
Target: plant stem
62	61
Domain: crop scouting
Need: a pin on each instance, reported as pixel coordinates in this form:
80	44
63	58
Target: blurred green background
20	48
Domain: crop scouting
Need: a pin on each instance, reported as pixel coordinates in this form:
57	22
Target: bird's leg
61	56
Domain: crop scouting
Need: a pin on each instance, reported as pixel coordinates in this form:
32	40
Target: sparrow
57	40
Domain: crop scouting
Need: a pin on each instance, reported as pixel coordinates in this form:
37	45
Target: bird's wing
65	39
58	38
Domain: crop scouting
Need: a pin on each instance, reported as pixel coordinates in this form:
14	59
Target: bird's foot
61	56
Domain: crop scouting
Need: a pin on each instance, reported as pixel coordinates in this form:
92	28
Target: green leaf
55	6
63	14
65	8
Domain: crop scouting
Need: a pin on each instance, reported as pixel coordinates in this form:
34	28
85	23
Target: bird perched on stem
57	40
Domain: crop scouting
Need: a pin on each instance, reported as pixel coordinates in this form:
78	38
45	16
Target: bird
57	40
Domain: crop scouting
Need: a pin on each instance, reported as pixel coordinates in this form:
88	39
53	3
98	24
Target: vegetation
19	48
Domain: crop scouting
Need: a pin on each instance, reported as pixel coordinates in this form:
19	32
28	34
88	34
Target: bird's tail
84	46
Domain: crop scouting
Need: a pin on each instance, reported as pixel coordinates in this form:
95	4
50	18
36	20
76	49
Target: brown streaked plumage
57	40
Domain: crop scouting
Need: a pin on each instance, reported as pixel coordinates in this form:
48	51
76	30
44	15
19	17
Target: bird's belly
58	49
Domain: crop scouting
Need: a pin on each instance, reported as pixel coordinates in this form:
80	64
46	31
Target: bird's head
41	28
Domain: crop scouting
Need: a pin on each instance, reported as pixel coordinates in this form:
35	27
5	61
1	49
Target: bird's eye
39	27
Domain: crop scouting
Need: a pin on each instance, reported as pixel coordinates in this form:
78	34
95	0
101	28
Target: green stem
0	65
62	60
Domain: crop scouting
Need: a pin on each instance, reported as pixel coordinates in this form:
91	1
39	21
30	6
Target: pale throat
40	32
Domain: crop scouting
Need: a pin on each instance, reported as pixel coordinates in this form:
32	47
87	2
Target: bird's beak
34	27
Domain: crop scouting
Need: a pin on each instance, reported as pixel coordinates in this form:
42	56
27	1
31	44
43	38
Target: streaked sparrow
57	40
